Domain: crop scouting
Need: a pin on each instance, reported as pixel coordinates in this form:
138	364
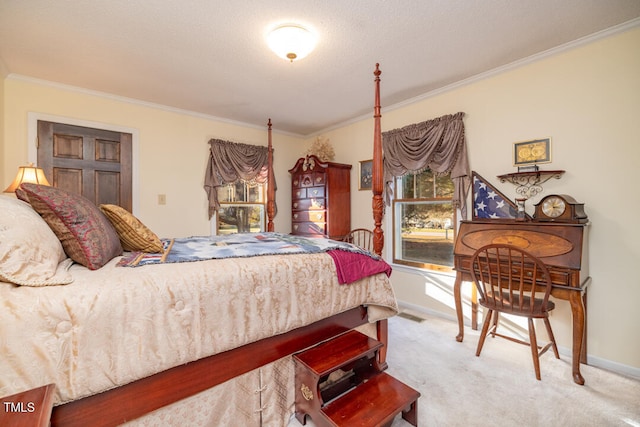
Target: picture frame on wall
533	152
365	175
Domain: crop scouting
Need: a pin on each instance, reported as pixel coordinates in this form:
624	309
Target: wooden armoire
320	198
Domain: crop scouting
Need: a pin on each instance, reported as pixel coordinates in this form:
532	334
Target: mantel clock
560	208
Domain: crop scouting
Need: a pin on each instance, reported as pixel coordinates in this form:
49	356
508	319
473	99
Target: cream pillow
30	253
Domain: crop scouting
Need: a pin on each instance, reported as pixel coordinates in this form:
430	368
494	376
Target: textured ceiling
210	57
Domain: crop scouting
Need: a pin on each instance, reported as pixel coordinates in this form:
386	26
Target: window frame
397	239
262	204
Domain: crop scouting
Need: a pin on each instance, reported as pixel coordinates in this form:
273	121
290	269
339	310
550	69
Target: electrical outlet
162	199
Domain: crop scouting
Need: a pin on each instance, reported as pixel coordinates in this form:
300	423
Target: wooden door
95	163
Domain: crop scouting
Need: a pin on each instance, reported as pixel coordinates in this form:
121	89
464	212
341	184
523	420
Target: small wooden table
558	245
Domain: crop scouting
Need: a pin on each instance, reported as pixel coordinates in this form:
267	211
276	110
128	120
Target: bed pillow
30	253
134	235
86	234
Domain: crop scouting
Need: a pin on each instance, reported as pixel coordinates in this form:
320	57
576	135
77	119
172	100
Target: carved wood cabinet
320	198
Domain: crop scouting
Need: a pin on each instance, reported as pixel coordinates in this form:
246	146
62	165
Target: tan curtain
230	162
437	144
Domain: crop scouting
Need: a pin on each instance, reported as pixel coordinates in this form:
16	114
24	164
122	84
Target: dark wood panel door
93	162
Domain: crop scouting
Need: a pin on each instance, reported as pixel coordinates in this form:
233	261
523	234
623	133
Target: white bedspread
115	325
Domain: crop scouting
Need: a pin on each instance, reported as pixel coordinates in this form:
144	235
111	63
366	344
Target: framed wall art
366	175
534	152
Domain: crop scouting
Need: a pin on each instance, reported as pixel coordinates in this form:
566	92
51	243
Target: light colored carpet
499	388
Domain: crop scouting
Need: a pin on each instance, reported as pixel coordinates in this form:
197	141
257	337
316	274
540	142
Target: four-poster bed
143	396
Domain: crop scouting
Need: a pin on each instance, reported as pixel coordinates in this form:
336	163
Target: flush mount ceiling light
291	41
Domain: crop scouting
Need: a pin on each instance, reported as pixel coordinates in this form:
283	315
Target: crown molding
133	101
618	29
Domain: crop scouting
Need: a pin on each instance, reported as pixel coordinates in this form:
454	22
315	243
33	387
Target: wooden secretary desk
558	245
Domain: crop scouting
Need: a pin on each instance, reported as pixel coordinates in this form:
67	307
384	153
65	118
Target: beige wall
172	151
2	103
587	99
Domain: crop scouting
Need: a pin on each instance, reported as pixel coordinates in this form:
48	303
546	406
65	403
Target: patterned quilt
236	245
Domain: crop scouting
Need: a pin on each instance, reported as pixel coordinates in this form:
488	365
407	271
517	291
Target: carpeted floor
499	388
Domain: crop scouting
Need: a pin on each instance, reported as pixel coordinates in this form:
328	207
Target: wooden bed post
377	185
271	184
377	182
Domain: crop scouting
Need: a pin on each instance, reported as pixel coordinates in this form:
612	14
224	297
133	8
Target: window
242	208
424	221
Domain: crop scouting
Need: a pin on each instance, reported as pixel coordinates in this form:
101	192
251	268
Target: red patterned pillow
86	234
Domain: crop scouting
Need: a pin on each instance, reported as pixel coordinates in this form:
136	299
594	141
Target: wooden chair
508	279
361	237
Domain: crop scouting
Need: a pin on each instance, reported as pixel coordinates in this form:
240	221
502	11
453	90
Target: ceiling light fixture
291	41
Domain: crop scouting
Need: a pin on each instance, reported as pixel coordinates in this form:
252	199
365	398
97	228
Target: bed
184	343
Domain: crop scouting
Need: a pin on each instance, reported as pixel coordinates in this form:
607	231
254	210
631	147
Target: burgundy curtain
437	144
230	162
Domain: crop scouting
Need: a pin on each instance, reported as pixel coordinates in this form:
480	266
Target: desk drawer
559	276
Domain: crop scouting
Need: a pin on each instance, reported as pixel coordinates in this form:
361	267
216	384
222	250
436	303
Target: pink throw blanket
352	266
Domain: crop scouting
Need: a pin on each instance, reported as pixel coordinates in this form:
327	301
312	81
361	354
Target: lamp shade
30	174
291	42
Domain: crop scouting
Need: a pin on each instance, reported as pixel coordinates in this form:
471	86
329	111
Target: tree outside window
424	221
242	208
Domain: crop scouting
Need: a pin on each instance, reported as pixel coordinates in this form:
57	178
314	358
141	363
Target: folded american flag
489	202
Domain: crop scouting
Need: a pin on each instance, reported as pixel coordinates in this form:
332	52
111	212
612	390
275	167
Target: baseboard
618	368
598	362
418	309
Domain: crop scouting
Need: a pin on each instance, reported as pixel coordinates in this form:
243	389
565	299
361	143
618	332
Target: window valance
230	162
438	144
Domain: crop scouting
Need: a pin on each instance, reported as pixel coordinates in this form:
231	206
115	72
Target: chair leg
483	334
534	348
551	337
496	315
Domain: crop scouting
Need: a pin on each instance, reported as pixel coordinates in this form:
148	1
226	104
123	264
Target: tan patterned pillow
134	235
86	234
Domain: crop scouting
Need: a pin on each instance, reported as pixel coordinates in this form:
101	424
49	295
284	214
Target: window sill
422	271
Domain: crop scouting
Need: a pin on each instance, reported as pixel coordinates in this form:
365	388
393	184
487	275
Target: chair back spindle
508	278
361	237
